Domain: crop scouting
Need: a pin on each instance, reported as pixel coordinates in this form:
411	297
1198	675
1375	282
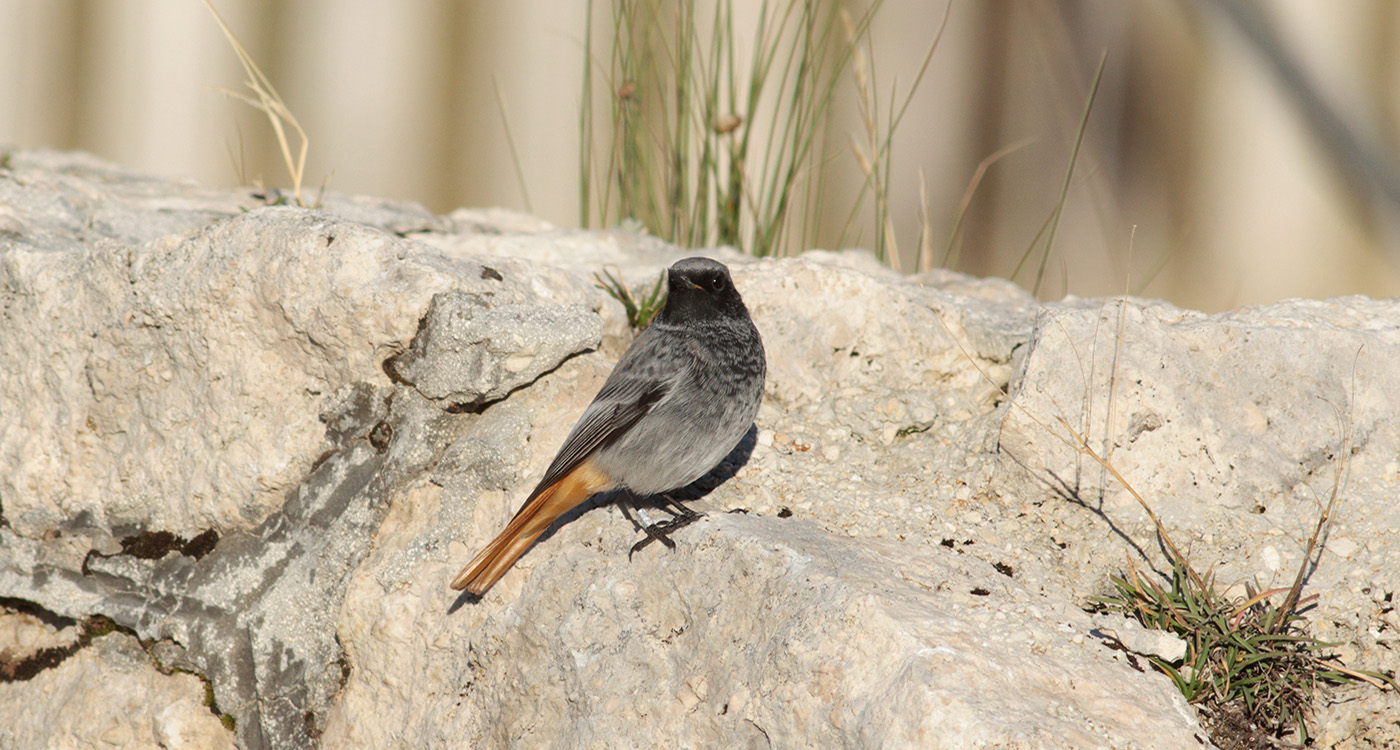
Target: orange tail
554	501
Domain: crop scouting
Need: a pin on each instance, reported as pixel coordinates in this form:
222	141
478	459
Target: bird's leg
677	510
681	516
628	505
655	531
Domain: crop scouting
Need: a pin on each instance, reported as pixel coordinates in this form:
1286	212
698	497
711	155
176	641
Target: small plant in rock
1250	666
640	310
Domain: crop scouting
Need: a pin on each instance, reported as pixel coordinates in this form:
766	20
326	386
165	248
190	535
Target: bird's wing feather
644	375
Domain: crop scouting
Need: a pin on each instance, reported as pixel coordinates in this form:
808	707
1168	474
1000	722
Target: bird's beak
691	284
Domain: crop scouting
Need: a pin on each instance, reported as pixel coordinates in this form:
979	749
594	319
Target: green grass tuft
1250	665
640	309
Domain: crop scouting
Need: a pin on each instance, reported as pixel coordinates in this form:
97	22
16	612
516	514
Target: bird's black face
700	288
709	282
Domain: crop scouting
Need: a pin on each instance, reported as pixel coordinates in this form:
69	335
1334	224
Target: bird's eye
717	283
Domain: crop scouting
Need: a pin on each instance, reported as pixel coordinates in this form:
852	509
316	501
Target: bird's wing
644	375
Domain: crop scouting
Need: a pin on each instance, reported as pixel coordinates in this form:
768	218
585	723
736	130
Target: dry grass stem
266	98
708	141
950	260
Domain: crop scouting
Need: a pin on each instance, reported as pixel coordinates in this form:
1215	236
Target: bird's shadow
723	471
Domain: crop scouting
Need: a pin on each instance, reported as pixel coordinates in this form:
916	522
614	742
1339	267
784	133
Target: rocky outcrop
261	440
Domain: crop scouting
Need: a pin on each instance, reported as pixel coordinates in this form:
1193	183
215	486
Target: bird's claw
660	532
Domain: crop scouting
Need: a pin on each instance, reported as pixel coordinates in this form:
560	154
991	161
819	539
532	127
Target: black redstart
679	401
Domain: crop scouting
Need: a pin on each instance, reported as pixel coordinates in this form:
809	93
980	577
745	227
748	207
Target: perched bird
678	402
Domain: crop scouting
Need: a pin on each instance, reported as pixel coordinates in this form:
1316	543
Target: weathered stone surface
109	695
186	373
264	441
755	632
28	643
199	426
467	353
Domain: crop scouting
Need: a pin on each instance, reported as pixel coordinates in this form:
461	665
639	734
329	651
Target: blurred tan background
1252	146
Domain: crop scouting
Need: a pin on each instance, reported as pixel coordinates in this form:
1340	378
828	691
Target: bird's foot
681	516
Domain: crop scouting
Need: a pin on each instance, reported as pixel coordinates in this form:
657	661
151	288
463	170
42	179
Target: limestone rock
199	426
467	353
756	632
1236	429
263	439
109	695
